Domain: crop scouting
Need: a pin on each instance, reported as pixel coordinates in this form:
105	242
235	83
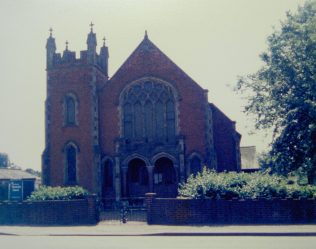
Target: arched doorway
165	183
137	178
107	180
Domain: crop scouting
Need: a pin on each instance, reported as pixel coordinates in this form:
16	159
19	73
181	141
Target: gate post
93	212
117	179
151	178
149	202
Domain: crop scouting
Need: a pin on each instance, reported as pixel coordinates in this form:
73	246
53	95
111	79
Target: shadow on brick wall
57	212
169	211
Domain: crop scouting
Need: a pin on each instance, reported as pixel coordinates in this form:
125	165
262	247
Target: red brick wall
261	211
223	141
71	212
154	63
74	79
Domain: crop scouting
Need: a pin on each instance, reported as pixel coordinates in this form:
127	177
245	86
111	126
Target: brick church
145	129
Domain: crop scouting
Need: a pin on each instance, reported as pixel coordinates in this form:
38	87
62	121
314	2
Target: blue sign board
16	190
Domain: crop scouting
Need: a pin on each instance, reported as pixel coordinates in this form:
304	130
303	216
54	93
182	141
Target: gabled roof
215	108
15	174
147	58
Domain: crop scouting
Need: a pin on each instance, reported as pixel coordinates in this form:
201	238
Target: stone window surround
64	104
142	81
64	151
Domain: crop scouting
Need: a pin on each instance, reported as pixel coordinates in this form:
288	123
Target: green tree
4	160
282	94
33	172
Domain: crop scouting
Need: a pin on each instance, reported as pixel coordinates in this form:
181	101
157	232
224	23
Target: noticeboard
16	190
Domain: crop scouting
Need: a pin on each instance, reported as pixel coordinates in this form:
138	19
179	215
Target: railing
123	210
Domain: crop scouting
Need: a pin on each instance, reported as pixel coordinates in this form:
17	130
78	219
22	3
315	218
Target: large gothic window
149	112
71	169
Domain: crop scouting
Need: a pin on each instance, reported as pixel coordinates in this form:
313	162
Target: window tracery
148	112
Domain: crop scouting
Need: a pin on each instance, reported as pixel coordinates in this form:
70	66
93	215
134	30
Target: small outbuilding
15	184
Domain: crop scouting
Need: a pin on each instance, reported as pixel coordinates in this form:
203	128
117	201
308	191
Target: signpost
16	190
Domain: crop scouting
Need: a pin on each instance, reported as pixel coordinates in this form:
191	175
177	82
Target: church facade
145	129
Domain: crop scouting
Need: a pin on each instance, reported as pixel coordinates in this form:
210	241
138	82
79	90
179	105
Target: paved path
138	229
161	242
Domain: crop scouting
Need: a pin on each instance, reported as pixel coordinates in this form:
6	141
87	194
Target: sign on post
16	190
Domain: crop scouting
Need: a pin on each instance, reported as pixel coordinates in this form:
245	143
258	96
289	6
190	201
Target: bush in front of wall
58	193
228	185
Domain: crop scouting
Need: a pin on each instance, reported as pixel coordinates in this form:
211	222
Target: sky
213	41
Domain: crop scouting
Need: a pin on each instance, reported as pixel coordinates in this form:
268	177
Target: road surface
155	242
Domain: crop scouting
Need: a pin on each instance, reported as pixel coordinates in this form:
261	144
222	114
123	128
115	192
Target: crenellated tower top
68	57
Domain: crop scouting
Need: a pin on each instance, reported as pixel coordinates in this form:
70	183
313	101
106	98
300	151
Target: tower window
71	159
70	110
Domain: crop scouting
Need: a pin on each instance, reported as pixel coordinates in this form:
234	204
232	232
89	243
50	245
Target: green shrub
58	193
227	185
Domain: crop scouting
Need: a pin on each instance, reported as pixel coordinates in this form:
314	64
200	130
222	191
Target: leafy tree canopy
33	172
282	94
4	160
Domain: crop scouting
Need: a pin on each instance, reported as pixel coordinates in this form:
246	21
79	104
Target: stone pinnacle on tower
92	44
50	49
104	57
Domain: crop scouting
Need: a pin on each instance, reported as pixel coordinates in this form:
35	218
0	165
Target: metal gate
123	211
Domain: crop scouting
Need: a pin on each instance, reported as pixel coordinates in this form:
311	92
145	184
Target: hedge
229	185
58	193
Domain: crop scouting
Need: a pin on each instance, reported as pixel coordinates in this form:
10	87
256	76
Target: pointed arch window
71	165
138	120
149	112
170	121
128	121
160	121
70	110
149	120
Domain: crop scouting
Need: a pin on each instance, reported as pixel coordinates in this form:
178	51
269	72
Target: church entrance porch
137	178
164	176
140	175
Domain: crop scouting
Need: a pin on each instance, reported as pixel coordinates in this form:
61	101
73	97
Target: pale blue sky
213	41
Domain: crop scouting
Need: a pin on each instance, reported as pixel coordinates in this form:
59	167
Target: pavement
142	229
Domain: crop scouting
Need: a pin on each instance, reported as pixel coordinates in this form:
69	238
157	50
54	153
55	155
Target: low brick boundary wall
206	211
68	212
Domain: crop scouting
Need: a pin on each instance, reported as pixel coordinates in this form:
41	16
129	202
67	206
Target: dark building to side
145	129
9	176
